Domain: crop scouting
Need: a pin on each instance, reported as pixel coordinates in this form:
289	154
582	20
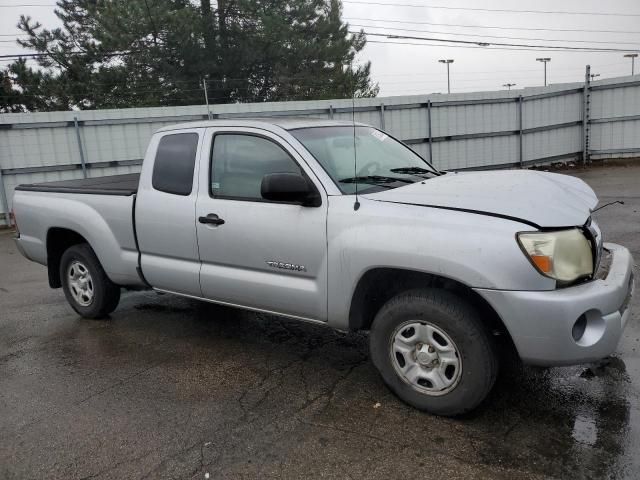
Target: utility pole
594	75
544	60
206	95
633	57
509	85
447	62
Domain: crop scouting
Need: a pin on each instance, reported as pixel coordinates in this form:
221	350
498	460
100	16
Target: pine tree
297	50
117	53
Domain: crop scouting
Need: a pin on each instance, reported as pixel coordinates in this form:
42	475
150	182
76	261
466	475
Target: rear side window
173	167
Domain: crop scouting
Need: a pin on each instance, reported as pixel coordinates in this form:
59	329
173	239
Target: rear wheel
86	286
433	351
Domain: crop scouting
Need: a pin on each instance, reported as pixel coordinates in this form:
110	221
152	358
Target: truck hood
539	199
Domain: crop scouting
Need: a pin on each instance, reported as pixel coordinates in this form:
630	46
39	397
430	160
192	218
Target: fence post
520	104
430	138
382	116
331	112
585	115
84	166
3	199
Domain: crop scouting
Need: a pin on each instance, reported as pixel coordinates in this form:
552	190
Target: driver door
269	256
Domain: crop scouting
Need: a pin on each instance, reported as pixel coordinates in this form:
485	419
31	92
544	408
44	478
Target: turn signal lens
564	255
544	263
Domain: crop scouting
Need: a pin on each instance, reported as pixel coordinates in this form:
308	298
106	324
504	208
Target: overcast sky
412	69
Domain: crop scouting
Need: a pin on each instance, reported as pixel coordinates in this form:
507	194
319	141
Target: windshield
381	162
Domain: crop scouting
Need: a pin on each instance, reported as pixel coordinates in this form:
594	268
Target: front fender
469	248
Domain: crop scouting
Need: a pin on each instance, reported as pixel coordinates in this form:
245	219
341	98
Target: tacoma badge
287	266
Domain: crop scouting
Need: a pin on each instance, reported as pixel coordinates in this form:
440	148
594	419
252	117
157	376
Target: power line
28	5
170	83
69	93
24	55
499	10
478	47
483	44
103	94
476	80
496	36
15	56
439	43
228	84
173	84
476	72
493	26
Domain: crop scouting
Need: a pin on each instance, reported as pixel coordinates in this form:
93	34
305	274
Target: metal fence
484	130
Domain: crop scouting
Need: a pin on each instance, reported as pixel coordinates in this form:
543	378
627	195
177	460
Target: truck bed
123	185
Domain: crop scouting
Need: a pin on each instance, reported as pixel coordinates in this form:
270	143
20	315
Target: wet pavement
173	388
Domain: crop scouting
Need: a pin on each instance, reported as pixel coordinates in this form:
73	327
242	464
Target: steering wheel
369	169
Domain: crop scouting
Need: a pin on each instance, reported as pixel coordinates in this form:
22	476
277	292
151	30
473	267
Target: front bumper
543	325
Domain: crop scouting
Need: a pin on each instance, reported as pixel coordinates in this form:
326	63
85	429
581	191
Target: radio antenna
356	205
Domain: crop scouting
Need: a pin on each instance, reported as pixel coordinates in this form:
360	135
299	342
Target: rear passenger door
266	255
165	212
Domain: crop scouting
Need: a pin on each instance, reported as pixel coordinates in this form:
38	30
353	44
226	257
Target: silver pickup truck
340	224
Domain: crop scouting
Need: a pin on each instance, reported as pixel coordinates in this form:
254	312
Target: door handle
211	219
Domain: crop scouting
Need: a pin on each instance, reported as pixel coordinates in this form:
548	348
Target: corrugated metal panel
561	141
615	102
474	119
409	123
615	135
491	118
551	111
477	152
35	147
611	132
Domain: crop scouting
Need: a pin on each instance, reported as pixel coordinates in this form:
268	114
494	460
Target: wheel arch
378	285
58	241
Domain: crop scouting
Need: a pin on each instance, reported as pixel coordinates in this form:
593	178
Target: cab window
240	161
174	163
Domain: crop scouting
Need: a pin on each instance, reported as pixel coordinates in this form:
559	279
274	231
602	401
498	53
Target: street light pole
544	60
594	75
447	62
632	56
509	85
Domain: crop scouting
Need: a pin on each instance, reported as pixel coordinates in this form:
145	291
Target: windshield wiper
412	170
375	180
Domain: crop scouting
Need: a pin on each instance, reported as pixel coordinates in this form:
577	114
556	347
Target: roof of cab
286	123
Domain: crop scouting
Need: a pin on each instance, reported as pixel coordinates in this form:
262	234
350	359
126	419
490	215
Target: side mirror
291	188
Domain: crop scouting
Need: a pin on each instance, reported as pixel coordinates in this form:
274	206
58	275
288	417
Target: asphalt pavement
174	388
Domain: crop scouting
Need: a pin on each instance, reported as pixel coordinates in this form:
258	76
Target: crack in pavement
117	465
93	395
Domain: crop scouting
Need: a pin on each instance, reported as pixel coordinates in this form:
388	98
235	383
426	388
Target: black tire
105	293
460	321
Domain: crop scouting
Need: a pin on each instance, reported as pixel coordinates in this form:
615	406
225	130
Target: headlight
564	255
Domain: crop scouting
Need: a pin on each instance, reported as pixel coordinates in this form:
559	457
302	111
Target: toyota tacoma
340	224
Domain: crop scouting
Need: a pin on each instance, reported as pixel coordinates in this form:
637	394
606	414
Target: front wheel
86	286
433	351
